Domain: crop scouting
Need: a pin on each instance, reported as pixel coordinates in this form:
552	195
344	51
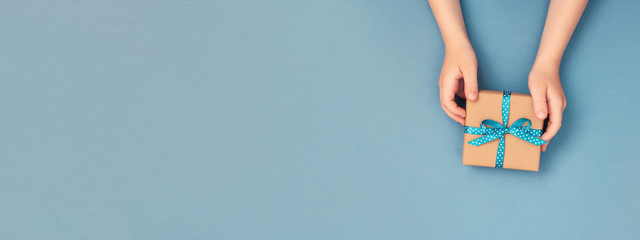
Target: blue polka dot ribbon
493	130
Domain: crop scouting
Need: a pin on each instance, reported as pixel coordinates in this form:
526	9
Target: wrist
456	43
547	65
454	33
544	71
547	60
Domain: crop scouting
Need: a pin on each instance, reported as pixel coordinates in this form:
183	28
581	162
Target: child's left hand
548	98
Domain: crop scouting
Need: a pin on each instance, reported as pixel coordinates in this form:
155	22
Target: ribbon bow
493	130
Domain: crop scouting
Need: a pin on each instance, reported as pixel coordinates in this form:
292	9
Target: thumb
470	83
539	96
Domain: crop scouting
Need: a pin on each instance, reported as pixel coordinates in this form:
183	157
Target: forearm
562	18
448	14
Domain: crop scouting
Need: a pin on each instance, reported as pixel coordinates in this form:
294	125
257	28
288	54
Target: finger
539	96
470	82
544	147
453	107
460	91
447	98
555	119
453	116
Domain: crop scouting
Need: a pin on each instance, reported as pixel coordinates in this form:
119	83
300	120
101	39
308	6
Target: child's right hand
458	76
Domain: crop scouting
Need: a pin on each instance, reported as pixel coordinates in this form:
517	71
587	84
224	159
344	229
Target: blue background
300	120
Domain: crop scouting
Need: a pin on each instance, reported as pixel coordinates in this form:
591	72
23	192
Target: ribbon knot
493	130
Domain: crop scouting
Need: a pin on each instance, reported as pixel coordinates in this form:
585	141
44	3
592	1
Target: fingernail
472	95
541	114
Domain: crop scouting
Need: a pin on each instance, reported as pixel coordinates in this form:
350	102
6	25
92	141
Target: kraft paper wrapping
518	154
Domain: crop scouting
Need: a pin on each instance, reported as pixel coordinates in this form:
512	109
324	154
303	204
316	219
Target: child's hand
544	79
458	76
548	98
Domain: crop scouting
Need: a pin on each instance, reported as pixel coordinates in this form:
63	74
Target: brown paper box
518	154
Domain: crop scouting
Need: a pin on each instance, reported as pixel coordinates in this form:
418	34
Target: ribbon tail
527	136
500	153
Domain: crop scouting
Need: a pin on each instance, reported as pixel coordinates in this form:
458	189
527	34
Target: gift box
501	131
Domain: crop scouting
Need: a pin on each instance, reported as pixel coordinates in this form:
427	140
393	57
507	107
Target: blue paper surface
300	120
